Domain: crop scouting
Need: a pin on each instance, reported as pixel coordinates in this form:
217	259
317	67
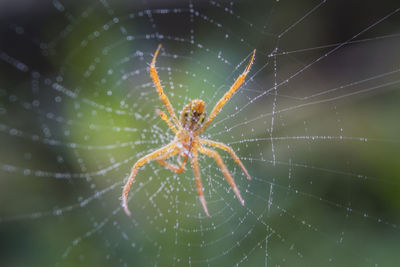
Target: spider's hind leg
235	86
160	91
165	118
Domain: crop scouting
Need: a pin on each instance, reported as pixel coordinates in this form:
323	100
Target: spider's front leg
230	151
171	166
214	154
197	178
154	155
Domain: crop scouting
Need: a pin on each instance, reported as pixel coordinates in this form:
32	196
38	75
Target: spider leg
160	91
214	154
230	151
135	168
171	166
165	118
236	85
197	178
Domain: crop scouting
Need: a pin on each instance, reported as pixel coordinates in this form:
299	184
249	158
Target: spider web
316	125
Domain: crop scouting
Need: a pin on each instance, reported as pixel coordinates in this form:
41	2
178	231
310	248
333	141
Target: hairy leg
214	154
160	91
154	155
236	85
197	178
229	150
164	117
171	166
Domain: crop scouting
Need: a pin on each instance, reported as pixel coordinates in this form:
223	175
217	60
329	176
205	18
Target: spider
187	142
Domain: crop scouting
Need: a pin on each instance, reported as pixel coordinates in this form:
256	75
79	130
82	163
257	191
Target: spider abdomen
193	115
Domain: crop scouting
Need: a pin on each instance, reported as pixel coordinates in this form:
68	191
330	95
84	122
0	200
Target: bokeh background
316	124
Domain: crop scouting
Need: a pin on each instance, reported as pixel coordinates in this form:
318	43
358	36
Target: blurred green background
316	125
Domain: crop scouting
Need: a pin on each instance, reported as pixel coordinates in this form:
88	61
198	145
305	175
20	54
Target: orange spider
187	142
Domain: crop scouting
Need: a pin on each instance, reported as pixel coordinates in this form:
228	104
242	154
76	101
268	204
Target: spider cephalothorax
187	142
193	115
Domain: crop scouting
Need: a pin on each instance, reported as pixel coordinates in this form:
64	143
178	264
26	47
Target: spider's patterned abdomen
193	115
